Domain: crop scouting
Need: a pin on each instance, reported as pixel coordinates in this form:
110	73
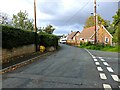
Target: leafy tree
90	21
49	29
21	21
116	24
4	19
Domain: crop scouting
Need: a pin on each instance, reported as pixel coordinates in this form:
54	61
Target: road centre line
97	63
103	76
105	63
107	87
115	78
110	69
99	69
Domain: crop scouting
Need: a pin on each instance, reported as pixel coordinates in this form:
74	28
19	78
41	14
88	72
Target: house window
106	40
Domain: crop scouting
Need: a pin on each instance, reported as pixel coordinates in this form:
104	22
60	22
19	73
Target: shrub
14	37
48	40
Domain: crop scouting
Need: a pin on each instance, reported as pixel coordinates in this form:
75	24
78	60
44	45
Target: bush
48	40
14	37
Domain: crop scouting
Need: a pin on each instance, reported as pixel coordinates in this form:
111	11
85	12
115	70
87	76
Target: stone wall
16	52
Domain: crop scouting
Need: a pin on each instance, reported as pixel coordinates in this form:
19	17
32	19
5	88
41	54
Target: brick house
88	35
103	36
72	38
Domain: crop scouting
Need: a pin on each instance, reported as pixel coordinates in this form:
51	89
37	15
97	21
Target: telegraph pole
35	28
95	21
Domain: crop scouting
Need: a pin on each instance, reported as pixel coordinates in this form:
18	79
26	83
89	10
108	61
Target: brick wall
15	52
102	34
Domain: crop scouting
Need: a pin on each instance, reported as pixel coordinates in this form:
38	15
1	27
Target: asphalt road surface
70	67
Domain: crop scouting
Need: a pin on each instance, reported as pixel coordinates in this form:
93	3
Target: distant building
72	38
88	35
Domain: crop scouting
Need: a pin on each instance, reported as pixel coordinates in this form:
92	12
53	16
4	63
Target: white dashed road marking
105	63
93	56
115	78
102	59
97	63
110	69
107	87
95	60
99	69
99	57
103	76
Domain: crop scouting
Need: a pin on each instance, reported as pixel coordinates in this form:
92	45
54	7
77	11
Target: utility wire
76	13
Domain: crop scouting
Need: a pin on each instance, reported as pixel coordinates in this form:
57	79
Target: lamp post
35	28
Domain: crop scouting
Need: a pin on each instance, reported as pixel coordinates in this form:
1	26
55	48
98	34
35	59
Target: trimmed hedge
48	40
14	37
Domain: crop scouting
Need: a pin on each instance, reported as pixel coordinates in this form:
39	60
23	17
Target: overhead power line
72	17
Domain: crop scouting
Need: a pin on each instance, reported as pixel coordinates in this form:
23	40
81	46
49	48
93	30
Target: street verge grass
100	47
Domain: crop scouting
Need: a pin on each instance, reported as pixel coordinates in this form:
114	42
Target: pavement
70	67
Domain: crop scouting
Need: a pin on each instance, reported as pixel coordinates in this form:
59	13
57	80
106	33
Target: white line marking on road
107	87
115	78
105	63
99	57
97	63
110	69
119	86
103	76
94	57
99	69
102	59
95	60
88	52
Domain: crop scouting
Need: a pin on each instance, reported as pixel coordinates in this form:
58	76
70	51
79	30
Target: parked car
63	40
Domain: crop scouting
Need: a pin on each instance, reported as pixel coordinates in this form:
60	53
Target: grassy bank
100	47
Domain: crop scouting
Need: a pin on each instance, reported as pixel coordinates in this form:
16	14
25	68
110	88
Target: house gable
103	36
72	35
107	31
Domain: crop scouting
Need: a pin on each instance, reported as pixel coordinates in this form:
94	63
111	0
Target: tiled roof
71	35
87	32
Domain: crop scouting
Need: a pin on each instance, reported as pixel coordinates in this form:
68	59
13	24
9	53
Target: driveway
70	67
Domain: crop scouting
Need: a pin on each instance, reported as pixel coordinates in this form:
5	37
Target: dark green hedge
48	40
14	37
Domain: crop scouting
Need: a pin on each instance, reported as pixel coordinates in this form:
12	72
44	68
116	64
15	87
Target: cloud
62	14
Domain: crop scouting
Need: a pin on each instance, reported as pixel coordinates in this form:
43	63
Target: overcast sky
64	15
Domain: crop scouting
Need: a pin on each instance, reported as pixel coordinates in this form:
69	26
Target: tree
4	19
90	21
21	21
49	29
116	24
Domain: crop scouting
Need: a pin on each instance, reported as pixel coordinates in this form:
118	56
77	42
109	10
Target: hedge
14	37
48	40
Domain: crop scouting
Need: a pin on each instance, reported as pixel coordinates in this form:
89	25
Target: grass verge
101	47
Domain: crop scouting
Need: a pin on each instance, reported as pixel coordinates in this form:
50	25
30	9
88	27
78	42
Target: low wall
16	52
